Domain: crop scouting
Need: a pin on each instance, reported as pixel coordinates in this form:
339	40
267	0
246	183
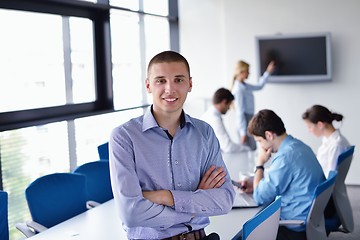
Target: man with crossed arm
167	172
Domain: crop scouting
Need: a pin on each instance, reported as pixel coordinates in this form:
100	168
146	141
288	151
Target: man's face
169	84
225	106
267	142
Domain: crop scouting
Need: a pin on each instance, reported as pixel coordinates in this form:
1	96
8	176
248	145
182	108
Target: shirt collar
334	135
216	112
285	141
149	120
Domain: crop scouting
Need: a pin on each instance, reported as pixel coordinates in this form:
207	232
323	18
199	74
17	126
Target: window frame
99	13
103	103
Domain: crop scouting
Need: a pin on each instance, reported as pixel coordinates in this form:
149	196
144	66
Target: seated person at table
222	100
166	168
319	121
293	174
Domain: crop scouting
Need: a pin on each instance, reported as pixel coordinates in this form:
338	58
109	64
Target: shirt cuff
266	74
181	201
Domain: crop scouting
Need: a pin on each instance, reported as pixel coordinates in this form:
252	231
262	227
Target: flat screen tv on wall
298	57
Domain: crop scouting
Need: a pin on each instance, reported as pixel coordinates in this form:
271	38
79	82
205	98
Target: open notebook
243	200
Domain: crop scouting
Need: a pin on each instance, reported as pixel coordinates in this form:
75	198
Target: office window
129	4
156	43
27	154
34	63
159	7
92	131
71	71
82	61
131	54
126	59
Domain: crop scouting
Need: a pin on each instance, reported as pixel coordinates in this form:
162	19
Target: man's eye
159	81
179	80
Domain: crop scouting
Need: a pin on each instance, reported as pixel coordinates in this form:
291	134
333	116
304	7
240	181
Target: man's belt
193	235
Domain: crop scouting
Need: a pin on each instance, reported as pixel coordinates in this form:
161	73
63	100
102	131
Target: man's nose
169	88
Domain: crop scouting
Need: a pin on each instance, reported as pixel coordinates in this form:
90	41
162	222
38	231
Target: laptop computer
243	200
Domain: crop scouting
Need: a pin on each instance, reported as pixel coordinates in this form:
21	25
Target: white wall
214	34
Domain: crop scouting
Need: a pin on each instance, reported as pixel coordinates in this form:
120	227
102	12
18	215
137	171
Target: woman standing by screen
244	99
319	121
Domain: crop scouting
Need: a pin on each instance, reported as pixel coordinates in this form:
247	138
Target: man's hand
162	197
264	156
247	185
213	178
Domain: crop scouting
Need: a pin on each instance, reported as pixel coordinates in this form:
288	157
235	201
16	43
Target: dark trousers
212	236
286	234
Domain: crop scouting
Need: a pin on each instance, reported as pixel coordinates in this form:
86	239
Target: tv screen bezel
297	78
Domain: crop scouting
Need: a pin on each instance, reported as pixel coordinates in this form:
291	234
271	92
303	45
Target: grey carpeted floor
354	195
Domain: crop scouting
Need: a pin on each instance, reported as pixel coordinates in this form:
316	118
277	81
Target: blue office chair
4	225
265	224
340	196
103	151
97	180
315	221
53	199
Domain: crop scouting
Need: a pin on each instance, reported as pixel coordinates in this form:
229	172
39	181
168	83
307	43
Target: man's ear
269	135
147	84
190	84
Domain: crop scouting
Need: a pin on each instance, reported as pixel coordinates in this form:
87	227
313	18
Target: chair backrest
4	225
315	222
97	180
56	197
340	196
103	151
265	224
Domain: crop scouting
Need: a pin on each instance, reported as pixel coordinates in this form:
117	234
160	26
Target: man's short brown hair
266	120
168	57
221	94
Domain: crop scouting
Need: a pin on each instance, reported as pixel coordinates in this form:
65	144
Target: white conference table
230	224
239	163
102	222
98	223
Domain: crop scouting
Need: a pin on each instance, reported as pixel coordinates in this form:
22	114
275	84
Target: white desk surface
242	162
102	222
230	224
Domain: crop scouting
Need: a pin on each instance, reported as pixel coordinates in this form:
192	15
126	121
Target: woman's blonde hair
241	66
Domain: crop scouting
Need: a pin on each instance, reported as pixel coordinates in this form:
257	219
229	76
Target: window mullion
142	51
67	59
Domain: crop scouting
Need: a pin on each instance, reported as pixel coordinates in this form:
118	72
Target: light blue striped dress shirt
143	157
